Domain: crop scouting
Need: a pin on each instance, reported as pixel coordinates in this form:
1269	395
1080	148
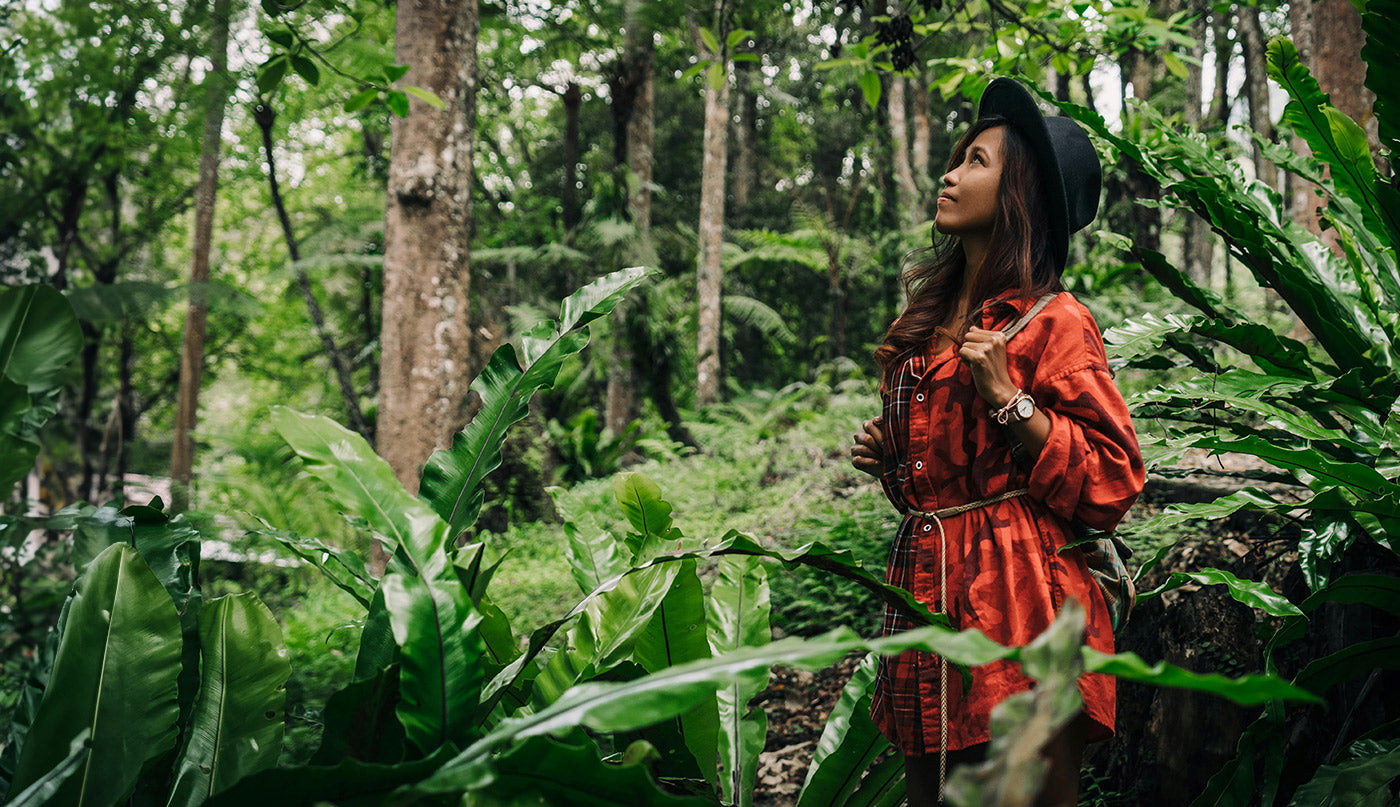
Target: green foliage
38	337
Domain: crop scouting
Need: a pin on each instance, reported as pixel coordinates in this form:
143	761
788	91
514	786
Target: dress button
928	527
919	397
918	465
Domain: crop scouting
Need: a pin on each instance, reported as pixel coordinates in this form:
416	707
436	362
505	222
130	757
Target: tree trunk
1196	245
1256	89
340	365
1224	53
573	99
922	144
907	191
745	135
426	336
710	275
196	315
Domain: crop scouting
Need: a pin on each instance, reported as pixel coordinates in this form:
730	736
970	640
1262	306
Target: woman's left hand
984	352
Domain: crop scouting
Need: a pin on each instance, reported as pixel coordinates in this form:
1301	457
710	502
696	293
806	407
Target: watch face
1024	408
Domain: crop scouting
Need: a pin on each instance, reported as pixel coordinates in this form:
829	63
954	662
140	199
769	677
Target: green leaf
1249	592
737	36
361	722
649	515
116	675
1350	662
1336	139
1379	22
1174	64
738	616
571	773
870	88
1363	782
398	103
426	96
271	73
708	37
452	479
1247	690
39	335
440	651
882	786
593	555
343	568
281	38
365	486
675	635
395	72
1325	537
1377	591
306	69
236	726
714	76
348	783
361	99
43	790
848	744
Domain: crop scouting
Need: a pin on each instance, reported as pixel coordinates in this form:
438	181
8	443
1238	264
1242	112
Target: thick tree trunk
192	352
907	192
426	336
710	275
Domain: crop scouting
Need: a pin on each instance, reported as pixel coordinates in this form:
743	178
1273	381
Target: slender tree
426	333
710	270
192	353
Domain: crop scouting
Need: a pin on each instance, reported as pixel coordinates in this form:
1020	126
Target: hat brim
1007	98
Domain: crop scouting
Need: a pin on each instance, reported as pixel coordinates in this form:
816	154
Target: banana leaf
738	617
116	675
566	773
1251	593
365	486
452	478
676	634
440	650
849	743
236	726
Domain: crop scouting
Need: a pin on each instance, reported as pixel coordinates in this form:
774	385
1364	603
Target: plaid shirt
1005	574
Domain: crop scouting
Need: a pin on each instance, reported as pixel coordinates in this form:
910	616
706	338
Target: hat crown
1069	166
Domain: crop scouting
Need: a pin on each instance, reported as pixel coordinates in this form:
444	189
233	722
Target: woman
1028	435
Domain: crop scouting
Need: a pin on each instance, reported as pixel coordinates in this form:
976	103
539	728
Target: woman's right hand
868	453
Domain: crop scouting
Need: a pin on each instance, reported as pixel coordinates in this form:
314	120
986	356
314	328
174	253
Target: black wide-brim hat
1069	166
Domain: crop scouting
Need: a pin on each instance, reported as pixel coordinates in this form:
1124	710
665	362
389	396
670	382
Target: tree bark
265	116
1224	53
1256	88
1196	244
196	314
745	135
426	328
922	144
710	275
573	99
907	191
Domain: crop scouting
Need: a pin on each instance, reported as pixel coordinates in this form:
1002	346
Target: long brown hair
1018	256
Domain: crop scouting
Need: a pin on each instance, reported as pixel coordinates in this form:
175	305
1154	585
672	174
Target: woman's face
968	203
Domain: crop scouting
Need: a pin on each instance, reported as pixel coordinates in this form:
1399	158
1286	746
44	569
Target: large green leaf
115	675
738	616
1377	591
236	726
1381	22
348	783
1251	593
675	635
648	513
440	651
569	773
619	707
39	335
361	722
343	568
365	486
1350	662
452	478
593	553
1336	139
849	743
43	791
1363	782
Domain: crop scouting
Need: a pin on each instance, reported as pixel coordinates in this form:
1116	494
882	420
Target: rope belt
937	517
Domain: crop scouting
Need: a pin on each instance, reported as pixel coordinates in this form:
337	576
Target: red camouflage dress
1005	576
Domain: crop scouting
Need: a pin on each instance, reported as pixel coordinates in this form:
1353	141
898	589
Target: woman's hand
868	453
984	352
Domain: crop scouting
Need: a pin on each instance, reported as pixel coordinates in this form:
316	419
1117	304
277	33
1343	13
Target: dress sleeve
1091	467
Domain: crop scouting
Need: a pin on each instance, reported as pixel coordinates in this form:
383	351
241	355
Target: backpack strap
1015	327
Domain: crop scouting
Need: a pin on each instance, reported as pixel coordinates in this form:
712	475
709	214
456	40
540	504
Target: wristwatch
1019	408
